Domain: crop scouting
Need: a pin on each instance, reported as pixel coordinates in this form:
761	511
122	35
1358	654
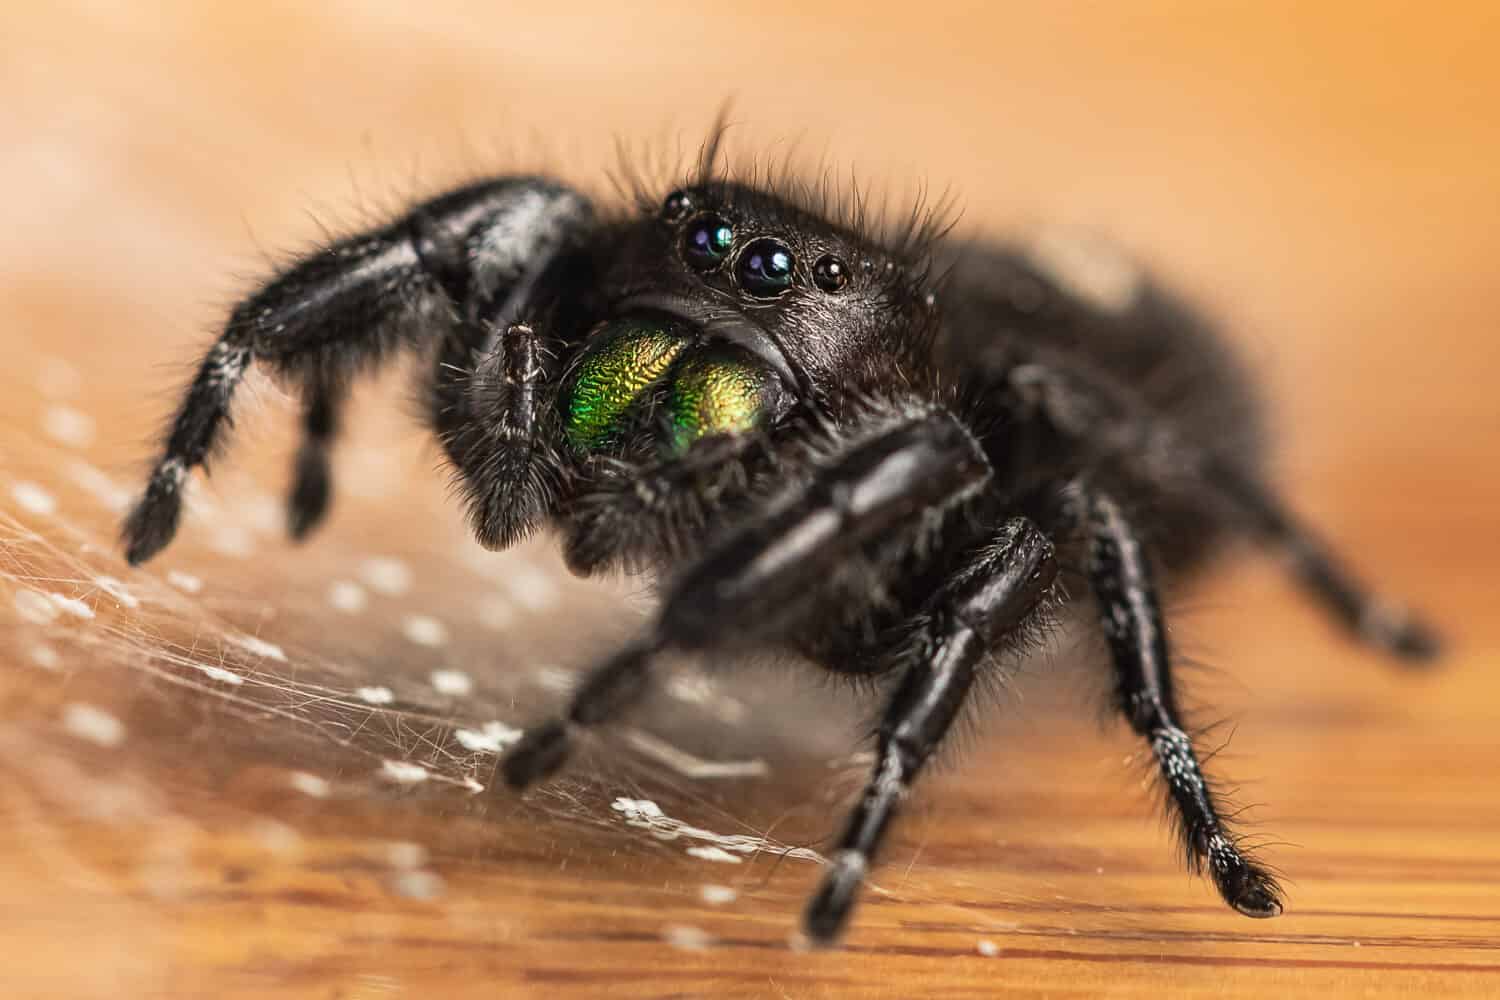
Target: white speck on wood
71	606
276	837
532	588
93	724
309	784
258	647
263	512
417	885
454	683
404	772
185	582
233	541
347	596
221	674
104	489
424	630
405	854
32	498
117	589
687	938
375	695
46	657
68	426
634	809
555	679
491	738
647	815
385	575
717	895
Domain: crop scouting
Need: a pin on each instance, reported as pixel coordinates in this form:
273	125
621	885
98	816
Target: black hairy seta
879	447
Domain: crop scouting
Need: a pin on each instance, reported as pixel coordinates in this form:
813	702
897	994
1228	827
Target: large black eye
707	242
677	206
830	273
766	268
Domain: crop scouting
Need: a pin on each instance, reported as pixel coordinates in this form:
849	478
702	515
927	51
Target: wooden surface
250	770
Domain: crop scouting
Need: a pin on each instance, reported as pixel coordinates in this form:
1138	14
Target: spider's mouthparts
718	323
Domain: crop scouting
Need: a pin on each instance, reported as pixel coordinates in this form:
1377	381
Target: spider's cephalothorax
820	449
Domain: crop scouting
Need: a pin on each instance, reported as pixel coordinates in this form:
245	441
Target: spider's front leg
998	589
1120	574
751	585
348	307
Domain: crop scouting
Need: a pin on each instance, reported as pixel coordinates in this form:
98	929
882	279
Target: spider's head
819	303
740	304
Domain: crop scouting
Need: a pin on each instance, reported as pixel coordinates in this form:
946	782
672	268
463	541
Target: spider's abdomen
1142	361
1104	318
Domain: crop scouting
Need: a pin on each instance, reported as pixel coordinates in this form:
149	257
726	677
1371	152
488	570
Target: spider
884	450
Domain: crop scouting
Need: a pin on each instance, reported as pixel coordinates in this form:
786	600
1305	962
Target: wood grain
263	774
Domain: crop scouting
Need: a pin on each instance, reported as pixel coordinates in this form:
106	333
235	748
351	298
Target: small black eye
766	268
677	206
707	242
830	273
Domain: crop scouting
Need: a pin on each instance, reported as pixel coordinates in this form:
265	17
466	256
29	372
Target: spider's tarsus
1401	634
307	501
540	753
312	478
1251	890
827	913
608	690
153	520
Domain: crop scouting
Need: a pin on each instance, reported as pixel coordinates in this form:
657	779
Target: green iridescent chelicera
632	354
717	395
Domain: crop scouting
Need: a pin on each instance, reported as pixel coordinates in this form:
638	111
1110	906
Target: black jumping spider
882	451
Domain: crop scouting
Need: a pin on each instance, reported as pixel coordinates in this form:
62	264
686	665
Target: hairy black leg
967	622
153	521
312	481
749	585
1120	573
1374	619
347	306
1099	420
